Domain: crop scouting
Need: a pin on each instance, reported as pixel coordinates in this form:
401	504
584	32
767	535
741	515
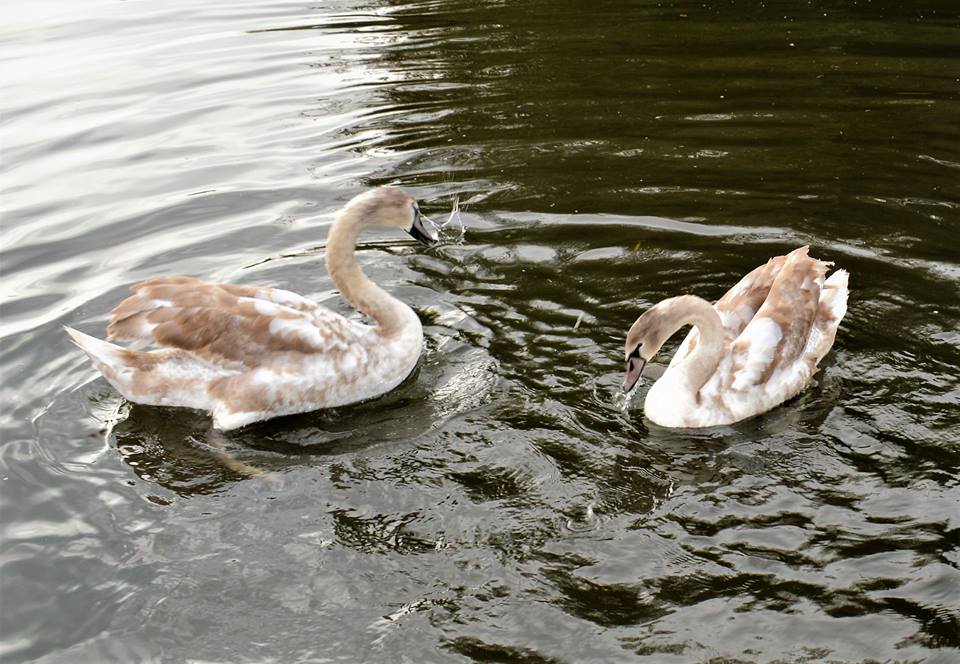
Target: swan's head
646	336
391	207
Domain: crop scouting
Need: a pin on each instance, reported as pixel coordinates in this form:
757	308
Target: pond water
505	504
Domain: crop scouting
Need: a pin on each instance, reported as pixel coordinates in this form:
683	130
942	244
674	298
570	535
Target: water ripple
506	493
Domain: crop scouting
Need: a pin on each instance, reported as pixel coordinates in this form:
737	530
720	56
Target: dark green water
503	505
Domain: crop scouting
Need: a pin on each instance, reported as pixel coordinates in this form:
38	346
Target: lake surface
505	504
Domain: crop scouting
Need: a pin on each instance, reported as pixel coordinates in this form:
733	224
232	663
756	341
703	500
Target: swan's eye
636	351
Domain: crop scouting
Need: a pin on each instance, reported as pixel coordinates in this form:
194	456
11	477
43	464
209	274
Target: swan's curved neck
390	314
702	361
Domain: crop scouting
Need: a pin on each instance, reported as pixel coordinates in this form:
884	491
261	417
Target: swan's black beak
423	230
635	367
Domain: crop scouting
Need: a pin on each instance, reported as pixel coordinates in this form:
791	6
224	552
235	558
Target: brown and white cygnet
245	353
755	348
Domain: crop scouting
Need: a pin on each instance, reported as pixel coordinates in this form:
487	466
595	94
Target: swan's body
755	348
246	354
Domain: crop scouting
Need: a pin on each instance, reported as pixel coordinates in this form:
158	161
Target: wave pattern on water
504	504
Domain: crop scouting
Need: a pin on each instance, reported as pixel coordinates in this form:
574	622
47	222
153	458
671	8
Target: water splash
453	216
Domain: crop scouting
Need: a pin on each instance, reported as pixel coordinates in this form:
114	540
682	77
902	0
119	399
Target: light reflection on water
504	504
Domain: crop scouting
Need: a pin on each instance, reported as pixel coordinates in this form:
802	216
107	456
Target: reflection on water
505	503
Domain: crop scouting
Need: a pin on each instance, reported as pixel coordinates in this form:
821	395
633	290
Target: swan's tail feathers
98	350
834	294
831	309
110	360
159	378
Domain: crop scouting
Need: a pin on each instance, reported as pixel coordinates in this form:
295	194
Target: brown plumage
223	321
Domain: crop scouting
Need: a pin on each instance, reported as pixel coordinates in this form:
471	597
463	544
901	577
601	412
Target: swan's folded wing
227	323
778	333
738	305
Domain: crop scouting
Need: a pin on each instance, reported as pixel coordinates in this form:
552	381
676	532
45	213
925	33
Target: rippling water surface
504	504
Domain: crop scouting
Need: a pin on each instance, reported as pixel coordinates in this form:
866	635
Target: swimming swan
245	353
755	348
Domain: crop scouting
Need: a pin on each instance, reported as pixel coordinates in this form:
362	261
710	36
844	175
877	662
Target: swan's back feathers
740	304
778	333
226	323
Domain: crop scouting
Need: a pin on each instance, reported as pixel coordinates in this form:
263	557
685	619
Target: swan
248	353
755	348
